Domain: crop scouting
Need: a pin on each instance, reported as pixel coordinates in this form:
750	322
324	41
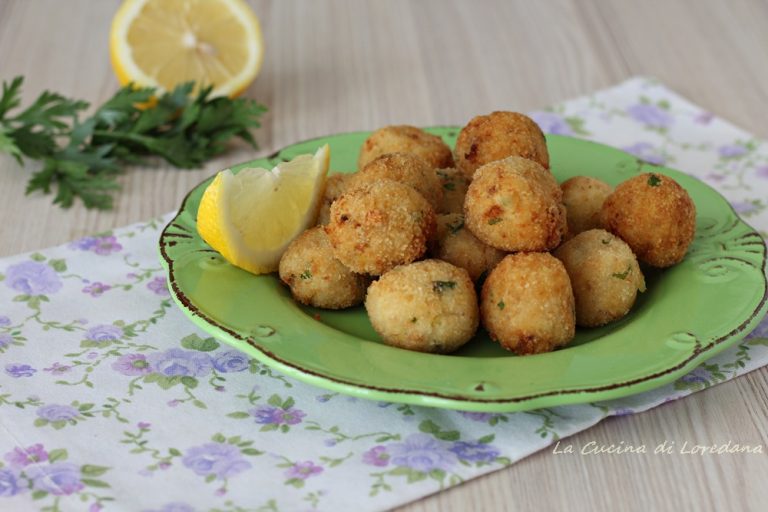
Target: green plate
690	312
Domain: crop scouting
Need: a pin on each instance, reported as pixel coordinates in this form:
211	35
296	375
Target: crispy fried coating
605	276
379	226
654	215
455	186
514	204
583	197
335	186
404	168
454	243
527	304
406	139
315	277
498	135
428	306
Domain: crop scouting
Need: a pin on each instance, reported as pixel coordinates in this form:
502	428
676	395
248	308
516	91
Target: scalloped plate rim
456	401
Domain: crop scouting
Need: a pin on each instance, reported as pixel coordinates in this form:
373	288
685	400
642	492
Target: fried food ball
583	197
335	186
454	243
315	277
605	276
379	226
455	186
406	139
515	205
527	304
403	168
654	215
428	306
498	135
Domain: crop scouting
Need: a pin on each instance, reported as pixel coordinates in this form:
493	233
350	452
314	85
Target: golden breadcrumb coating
454	243
527	304
498	135
455	186
406	139
428	306
605	276
514	204
315	277
404	168
335	186
583	197
382	225
654	215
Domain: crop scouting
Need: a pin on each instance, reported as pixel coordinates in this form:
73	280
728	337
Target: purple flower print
101	245
5	340
83	244
422	452
732	151
477	416
32	278
266	415
9	485
697	376
761	331
231	361
95	507
645	151
104	332
54	412
60	478
376	456
96	289
159	286
105	245
303	470
57	369
179	362
222	460
475	452
704	118
143	425
744	207
550	122
650	115
4	320
760	172
22	457
623	411
19	370
132	365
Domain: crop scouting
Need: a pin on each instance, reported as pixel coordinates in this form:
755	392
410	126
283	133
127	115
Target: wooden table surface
335	66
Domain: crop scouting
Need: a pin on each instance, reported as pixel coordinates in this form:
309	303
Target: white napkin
110	398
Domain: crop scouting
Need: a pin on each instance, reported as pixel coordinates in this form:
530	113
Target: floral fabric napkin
111	399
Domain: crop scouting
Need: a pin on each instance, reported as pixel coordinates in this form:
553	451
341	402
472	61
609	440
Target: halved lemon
162	43
251	217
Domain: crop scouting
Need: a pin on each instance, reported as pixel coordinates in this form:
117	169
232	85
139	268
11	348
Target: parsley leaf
654	180
81	158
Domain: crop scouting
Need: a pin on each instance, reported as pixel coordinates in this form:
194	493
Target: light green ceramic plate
689	313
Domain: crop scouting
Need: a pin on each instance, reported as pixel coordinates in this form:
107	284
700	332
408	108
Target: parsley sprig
81	159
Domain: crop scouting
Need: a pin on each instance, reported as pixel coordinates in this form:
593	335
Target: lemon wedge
251	217
162	43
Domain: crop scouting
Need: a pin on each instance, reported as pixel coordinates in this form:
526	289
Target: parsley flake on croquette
622	275
441	286
654	181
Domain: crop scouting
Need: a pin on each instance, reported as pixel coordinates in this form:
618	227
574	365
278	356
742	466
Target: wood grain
341	65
